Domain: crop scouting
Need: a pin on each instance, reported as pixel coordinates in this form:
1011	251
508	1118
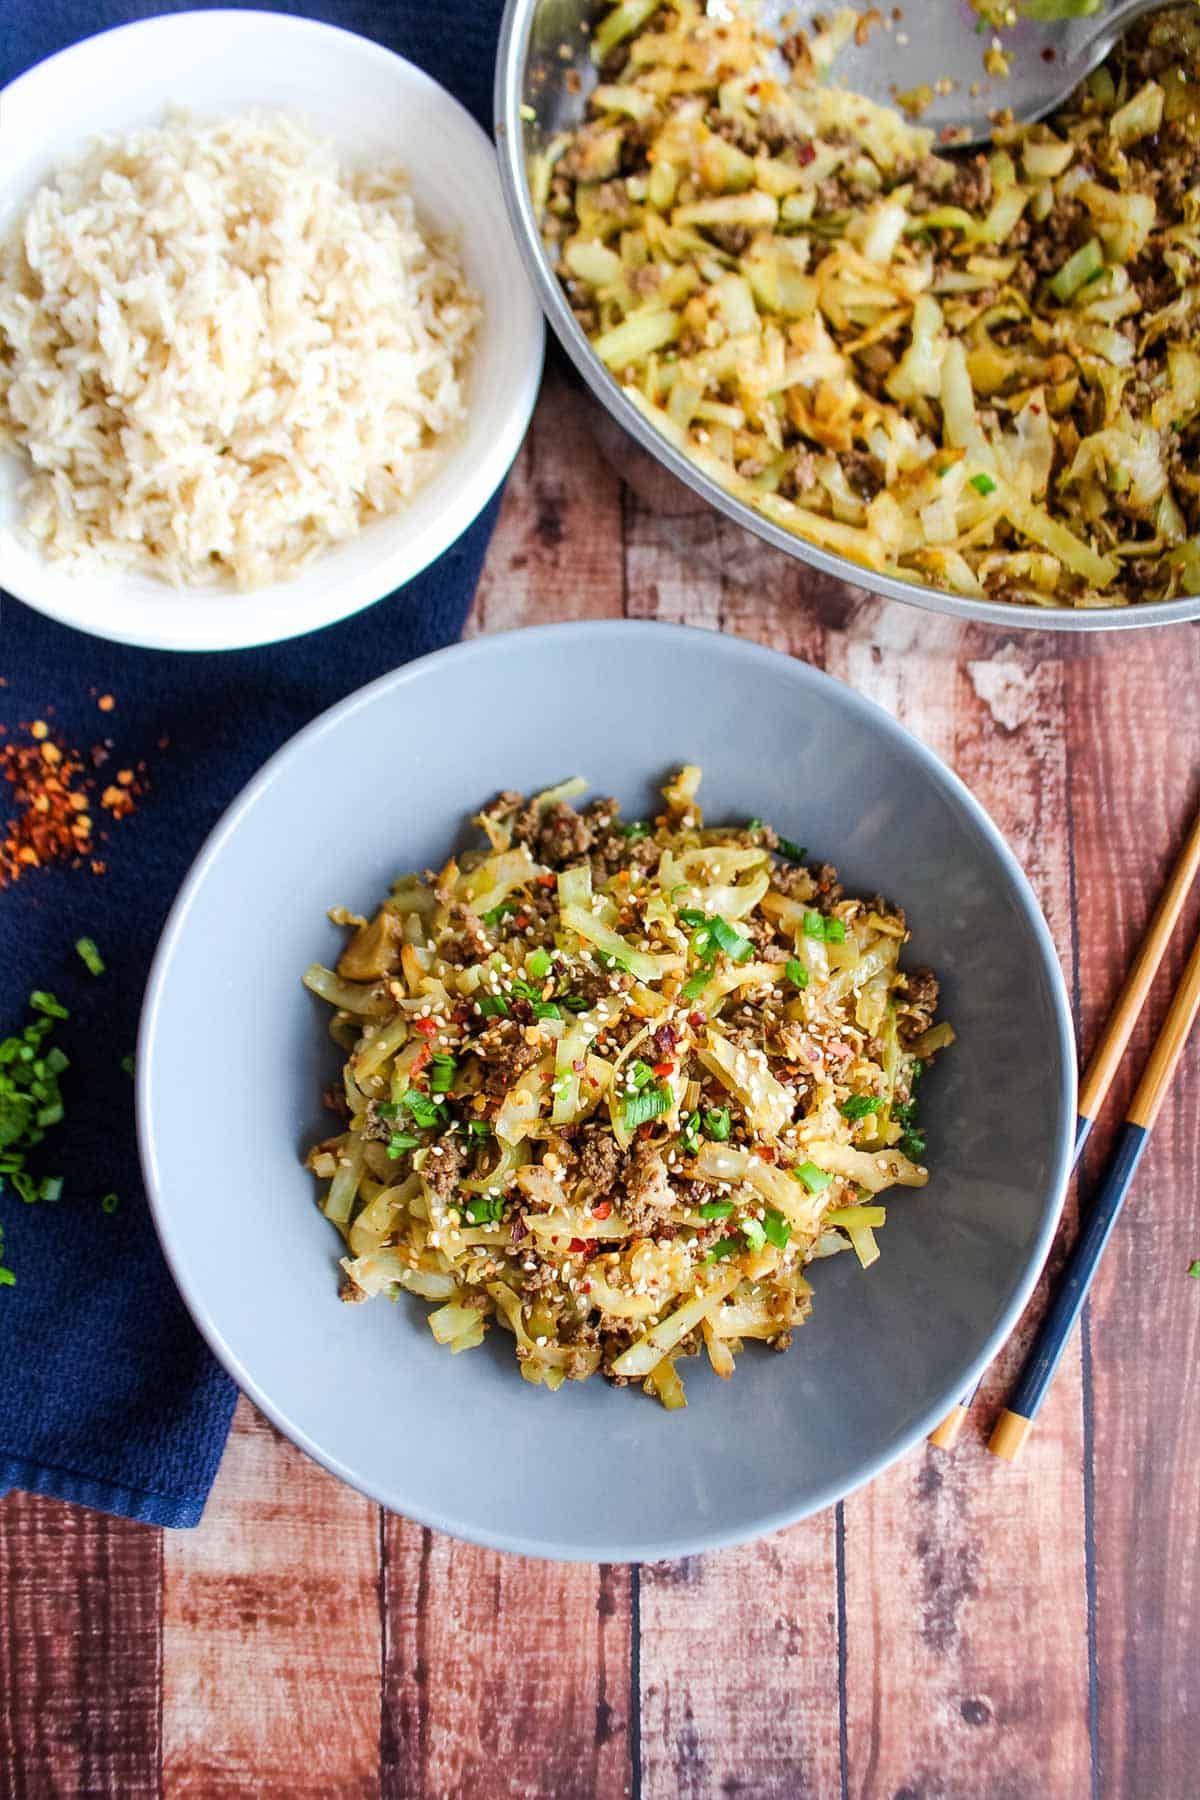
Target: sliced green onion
640	1073
695	984
442	1073
777	1228
637	828
484	1209
479	1128
715	1209
691	917
110	1202
983	484
426	1113
689	1134
45	1003
573	1002
50	1187
544	1009
815	1180
505	908
539	964
718	1123
859	1105
754	1233
825	929
796	972
912	1145
731	941
86	947
640	1108
400	1141
754	824
493	1006
793	851
726	1247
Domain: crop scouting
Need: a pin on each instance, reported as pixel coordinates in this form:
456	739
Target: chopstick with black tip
1113	1042
1016	1421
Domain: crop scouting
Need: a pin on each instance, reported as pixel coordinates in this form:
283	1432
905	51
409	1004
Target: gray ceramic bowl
544	74
233	1054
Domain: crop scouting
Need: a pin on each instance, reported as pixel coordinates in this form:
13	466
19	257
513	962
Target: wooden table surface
959	1628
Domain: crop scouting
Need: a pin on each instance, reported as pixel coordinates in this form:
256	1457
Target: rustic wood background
961	1628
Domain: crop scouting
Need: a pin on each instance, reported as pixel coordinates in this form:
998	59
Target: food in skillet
222	352
615	1085
981	373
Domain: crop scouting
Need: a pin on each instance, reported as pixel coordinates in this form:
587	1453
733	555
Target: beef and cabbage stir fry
979	372
614	1085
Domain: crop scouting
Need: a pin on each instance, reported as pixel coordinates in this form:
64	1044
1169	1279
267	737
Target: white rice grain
221	353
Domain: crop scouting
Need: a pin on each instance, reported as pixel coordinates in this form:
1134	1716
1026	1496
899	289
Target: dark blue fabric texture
108	1396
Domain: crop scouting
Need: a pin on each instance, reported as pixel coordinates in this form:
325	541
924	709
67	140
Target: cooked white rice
221	353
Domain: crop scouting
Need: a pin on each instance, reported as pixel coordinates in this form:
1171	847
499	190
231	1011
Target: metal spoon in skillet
949	54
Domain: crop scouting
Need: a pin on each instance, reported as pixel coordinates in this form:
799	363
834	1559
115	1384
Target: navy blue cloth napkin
108	1396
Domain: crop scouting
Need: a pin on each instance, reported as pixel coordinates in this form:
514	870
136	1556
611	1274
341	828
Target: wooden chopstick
1016	1421
1112	1044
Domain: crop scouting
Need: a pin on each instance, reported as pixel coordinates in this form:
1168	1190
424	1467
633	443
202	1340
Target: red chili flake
806	153
696	1019
424	1055
664	1068
602	1209
666	1038
547	880
645	1130
53	799
766	1153
578	1246
426	1027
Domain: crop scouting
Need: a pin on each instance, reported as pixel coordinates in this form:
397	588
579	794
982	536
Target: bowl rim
476	481
511	60
578	636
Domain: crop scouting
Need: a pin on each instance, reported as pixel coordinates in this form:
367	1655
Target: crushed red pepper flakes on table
55	799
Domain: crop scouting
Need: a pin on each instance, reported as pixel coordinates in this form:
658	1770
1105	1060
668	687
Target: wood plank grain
965	1599
762	1722
79	1652
503	1677
1135	786
556	553
739	1671
271	1631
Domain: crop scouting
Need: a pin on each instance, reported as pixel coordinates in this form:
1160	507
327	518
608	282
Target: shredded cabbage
627	1081
821	333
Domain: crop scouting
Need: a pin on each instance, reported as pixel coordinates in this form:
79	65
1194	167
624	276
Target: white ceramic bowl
374	105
